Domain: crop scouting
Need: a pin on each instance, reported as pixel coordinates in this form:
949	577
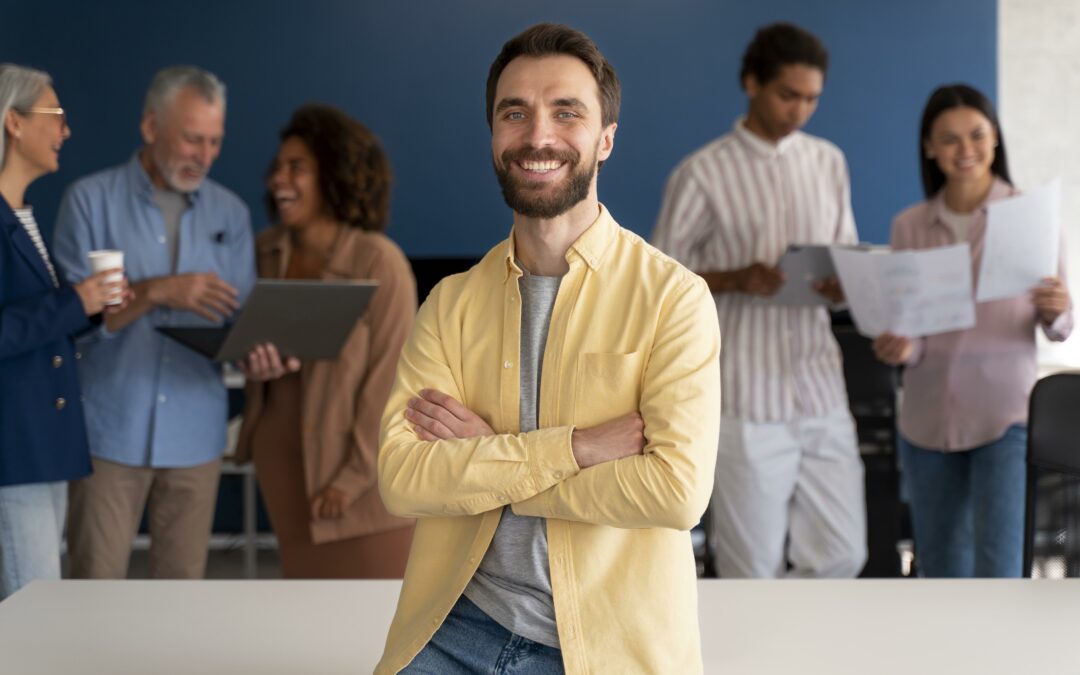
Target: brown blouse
342	400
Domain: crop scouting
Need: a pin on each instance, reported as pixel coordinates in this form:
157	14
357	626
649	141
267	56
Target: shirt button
162	398
61	403
507	364
502	498
165	359
78	355
558	475
472	560
161	240
57	361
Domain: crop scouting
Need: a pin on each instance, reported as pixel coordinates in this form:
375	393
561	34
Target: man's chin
185	185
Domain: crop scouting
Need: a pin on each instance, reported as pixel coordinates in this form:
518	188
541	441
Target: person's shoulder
822	147
647	262
380	248
486	274
222	197
98	182
707	156
912	217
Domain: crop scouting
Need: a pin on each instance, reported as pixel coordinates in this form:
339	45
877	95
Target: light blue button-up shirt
149	400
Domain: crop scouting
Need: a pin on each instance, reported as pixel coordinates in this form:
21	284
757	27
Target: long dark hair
945	98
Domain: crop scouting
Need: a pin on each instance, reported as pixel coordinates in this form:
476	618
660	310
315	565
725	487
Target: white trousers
789	493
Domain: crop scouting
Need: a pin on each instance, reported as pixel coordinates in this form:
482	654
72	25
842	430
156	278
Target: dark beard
520	197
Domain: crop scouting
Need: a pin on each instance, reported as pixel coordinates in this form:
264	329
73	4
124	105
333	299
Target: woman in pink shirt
963	421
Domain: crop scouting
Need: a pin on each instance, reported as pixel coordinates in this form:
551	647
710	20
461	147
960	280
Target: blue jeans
470	642
31	528
967	508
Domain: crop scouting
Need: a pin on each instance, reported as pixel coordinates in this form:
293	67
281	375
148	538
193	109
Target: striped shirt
741	200
26	217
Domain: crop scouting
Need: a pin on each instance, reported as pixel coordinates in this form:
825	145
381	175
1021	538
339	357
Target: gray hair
168	81
20	87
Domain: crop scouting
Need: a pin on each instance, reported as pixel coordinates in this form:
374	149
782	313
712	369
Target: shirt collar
137	173
999	189
759	145
591	247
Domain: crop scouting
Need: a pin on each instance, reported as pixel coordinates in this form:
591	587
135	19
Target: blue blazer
42	431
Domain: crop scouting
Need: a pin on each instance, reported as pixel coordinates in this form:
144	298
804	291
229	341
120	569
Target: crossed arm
653	468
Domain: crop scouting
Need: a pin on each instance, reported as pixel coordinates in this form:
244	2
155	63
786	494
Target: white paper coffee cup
107	259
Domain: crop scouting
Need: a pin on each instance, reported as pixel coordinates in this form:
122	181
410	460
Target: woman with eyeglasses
42	433
963	421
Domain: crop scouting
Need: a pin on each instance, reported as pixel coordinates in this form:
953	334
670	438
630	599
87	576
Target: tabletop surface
754	627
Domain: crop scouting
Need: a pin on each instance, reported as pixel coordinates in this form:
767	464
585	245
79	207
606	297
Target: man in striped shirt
788	497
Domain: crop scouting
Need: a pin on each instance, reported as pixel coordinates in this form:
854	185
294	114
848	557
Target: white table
905	627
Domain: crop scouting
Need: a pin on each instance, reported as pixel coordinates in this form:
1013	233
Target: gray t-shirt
172	205
513	583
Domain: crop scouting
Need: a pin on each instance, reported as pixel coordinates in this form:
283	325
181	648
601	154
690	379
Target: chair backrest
1054	423
1052	507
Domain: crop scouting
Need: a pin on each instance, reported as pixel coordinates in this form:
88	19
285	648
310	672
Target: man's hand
760	279
264	363
96	290
1051	299
621	437
329	503
830	288
893	349
438	416
204	293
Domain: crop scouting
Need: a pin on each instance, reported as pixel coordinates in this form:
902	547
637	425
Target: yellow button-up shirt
631	329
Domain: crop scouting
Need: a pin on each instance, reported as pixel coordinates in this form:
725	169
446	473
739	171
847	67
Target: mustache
540	155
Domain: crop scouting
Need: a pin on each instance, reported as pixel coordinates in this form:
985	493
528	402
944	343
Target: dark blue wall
414	71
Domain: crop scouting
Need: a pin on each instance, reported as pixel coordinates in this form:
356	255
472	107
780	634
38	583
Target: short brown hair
354	172
547	39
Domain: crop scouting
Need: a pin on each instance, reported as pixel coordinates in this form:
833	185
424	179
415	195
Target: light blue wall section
414	71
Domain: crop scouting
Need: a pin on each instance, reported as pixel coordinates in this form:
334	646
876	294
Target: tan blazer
343	399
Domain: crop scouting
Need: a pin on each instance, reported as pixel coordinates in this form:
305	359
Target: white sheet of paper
910	293
1022	235
802	265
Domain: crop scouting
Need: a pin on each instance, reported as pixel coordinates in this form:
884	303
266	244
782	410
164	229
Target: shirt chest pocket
608	386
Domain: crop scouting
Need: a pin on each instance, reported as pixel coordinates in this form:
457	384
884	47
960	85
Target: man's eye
567	115
515	115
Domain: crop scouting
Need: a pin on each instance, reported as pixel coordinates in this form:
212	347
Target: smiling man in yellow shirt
553	425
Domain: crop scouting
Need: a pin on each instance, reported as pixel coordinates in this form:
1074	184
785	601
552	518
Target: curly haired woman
312	428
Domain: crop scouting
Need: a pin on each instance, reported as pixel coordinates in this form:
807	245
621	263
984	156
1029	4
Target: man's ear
607	142
751	85
148	128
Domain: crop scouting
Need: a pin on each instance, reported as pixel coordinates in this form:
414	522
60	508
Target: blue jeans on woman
470	641
31	528
967	508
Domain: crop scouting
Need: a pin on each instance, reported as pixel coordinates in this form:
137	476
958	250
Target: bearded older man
155	410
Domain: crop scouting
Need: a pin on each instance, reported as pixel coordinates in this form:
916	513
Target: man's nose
541	132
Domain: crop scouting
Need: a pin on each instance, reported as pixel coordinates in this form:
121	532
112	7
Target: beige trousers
104	510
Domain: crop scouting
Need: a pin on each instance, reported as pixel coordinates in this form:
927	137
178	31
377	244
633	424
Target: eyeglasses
48	111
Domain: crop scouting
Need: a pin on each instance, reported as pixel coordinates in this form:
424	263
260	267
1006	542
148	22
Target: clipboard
803	266
306	319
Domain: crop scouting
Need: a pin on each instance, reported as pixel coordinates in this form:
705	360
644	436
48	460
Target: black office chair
871	388
1052	505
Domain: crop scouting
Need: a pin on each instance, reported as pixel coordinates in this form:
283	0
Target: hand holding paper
909	293
1022	235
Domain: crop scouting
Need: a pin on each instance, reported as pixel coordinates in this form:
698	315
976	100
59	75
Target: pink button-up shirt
966	388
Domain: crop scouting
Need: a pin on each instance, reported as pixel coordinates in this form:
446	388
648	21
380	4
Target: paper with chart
910	293
1022	235
802	266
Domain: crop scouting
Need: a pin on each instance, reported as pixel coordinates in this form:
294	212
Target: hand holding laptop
264	363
